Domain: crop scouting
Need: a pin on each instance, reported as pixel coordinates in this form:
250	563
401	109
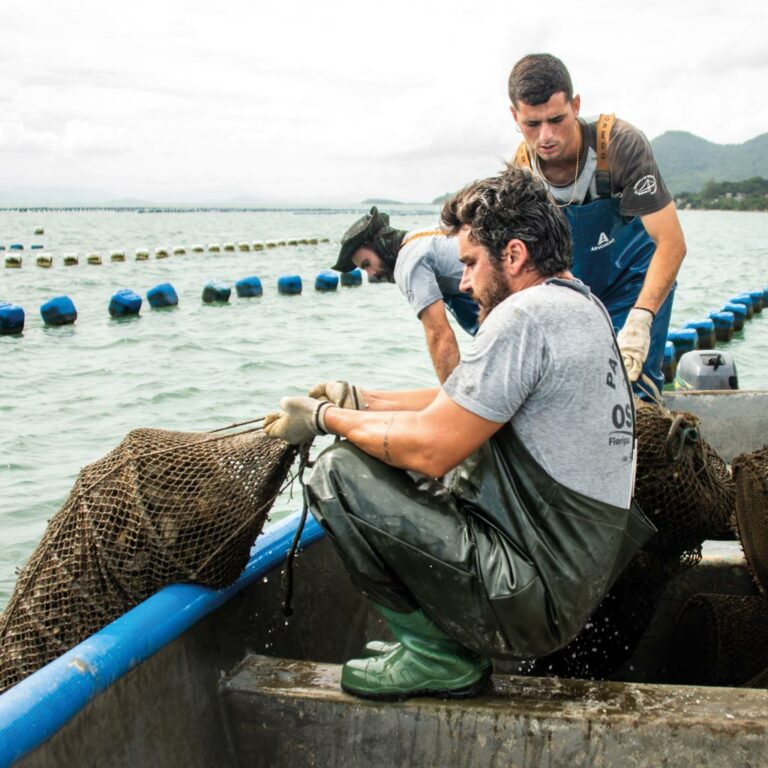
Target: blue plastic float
326	281
249	287
705	330
16	247
124	303
739	314
351	279
35	247
757	301
746	300
11	319
60	310
216	293
669	364
765	297
684	341
723	322
289	284
162	295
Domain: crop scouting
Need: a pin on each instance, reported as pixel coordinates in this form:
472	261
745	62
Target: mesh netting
162	507
685	489
720	640
750	473
683	486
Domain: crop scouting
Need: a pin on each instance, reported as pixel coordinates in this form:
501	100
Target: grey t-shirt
428	269
546	360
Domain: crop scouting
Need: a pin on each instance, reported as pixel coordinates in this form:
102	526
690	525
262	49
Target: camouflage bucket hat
373	230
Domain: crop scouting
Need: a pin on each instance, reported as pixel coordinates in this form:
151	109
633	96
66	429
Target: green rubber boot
378	648
425	662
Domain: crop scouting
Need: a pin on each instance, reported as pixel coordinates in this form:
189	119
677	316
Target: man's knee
339	465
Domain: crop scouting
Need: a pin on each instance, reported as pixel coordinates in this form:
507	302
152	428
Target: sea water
69	395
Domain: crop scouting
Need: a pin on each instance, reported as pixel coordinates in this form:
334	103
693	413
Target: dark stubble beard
494	293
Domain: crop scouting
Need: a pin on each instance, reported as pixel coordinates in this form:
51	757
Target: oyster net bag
750	473
721	640
162	507
686	490
683	486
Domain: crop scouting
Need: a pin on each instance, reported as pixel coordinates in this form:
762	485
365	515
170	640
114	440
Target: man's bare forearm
664	229
401	400
393	437
445	355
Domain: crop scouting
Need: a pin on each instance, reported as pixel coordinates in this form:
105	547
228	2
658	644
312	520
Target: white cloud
77	137
340	99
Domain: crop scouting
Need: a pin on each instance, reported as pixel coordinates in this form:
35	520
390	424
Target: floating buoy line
718	327
61	310
46	260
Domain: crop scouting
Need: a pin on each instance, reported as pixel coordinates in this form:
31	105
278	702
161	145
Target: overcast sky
339	100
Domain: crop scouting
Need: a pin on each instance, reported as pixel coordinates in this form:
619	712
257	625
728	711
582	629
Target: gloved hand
300	419
635	340
340	393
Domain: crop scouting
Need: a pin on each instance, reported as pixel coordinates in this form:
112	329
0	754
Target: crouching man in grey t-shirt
486	519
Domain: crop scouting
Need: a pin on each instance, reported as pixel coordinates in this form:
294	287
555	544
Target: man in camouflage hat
425	265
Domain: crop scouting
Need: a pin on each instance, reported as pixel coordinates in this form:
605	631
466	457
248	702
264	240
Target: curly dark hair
536	77
512	206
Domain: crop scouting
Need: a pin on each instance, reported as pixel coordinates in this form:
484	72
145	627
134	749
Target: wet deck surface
523	721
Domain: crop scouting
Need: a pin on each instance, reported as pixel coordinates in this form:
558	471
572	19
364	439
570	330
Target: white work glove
635	340
299	421
340	393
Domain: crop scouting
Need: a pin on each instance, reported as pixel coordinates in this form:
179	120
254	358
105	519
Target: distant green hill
748	195
688	162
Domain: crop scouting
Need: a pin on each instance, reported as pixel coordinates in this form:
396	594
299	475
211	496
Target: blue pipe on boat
34	709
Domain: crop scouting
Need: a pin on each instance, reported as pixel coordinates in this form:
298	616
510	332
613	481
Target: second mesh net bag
685	489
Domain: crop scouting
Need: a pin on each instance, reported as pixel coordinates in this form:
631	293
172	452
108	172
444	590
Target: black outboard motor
706	369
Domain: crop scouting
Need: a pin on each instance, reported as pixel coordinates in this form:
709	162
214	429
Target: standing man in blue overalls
628	243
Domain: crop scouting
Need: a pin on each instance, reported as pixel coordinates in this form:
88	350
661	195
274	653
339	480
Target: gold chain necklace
575	175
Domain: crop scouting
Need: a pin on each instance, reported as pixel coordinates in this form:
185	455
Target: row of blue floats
61	310
718	326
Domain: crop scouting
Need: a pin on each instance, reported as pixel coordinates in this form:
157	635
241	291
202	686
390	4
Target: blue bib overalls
611	254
